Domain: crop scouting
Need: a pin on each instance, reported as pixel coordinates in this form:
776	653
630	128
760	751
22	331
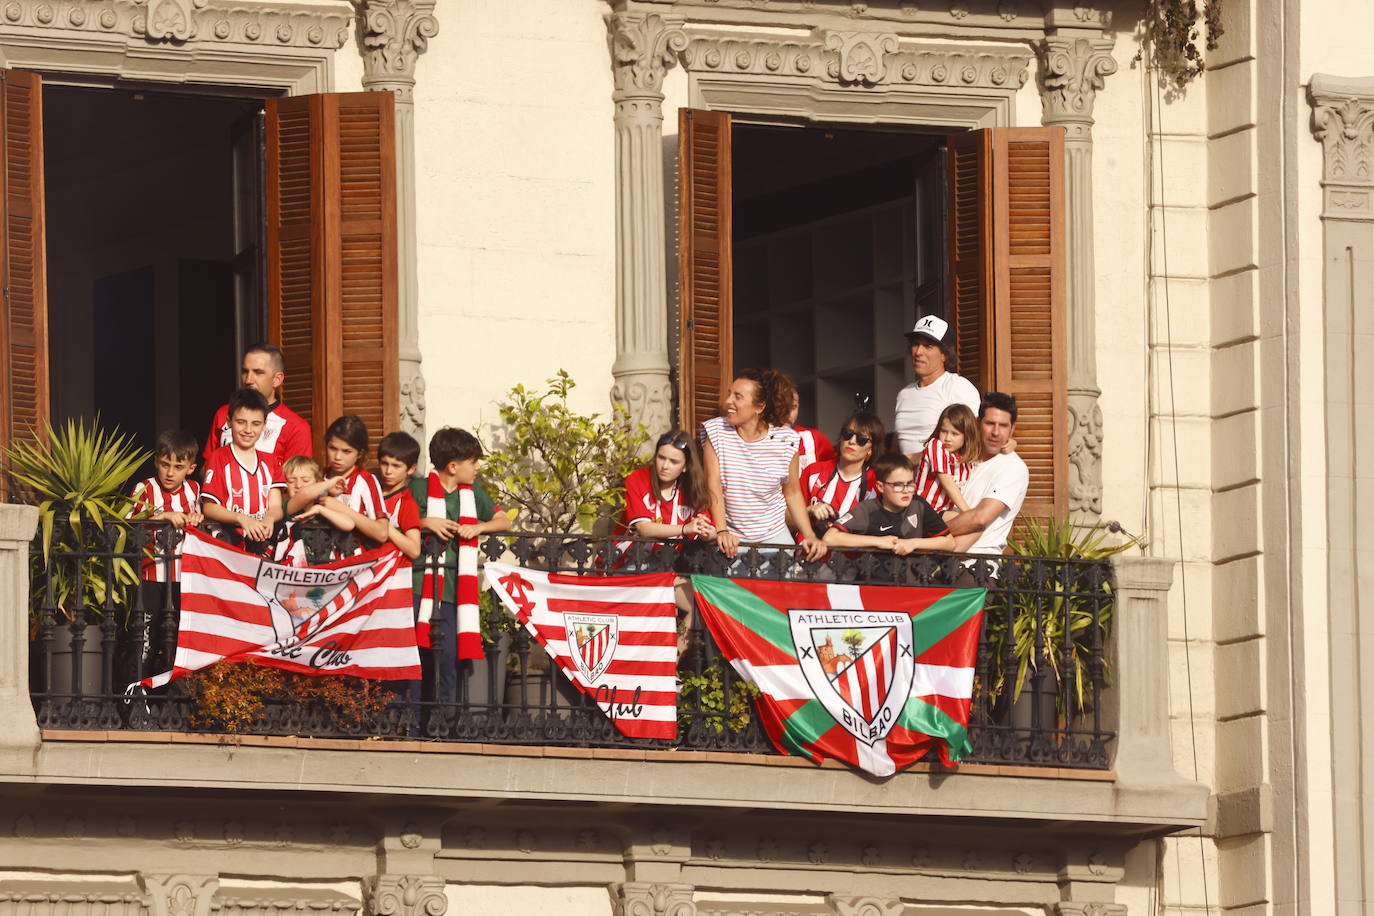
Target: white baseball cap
929	326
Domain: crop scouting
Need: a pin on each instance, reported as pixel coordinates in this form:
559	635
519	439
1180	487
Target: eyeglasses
859	438
899	484
667	439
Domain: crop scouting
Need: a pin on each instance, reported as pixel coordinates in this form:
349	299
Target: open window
194	222
813	249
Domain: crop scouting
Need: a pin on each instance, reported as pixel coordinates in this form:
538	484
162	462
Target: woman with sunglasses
667	498
751	461
834	487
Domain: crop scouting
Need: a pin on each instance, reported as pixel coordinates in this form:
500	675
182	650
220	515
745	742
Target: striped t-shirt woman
752	475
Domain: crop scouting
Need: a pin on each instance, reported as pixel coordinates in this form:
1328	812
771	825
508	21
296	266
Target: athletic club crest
295	596
592	639
858	664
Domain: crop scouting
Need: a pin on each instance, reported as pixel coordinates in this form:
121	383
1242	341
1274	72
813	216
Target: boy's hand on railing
254	529
440	527
466	532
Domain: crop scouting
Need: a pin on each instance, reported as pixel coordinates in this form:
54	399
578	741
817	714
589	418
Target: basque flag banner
615	637
353	616
871	675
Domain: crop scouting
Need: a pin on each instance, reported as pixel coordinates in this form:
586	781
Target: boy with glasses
898	520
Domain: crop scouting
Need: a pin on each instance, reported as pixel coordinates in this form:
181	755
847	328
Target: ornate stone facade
869	59
642	48
394	34
1072	70
181	21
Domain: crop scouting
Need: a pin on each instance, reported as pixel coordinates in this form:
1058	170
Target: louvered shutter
24	324
1029	304
970	220
1008	277
331	256
704	264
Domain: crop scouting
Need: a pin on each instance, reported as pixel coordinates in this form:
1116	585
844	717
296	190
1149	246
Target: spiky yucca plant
79	476
1055	539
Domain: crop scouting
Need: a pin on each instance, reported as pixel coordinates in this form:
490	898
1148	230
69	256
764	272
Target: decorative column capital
1072	70
845	905
405	895
394	35
642	898
644	47
1343	121
179	895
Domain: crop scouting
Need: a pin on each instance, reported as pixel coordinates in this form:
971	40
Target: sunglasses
667	439
859	438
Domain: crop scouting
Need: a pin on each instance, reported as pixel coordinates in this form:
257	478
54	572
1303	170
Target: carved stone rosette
642	47
392	36
1072	70
405	895
642	898
1343	121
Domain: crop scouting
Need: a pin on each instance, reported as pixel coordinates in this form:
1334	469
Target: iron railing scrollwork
1040	683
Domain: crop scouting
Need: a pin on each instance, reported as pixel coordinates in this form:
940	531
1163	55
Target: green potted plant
78	476
1089	619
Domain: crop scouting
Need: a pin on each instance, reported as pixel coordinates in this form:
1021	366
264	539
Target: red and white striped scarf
469	618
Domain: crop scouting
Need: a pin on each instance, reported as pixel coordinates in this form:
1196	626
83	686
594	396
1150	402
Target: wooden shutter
331	256
1007	239
706	355
24	306
970	256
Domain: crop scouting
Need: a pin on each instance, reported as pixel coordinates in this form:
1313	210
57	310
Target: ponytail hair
774	391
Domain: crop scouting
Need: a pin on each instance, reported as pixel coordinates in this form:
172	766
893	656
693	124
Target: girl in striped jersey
668	497
751	465
354	489
948	458
832	488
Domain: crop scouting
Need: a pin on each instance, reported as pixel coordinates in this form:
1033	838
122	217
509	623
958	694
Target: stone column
394	35
1072	69
405	895
1140	666
17	724
641	898
643	47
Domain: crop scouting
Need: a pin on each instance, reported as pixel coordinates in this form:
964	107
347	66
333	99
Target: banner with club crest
615	637
871	675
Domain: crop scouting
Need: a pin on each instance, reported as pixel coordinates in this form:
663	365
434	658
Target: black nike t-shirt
918	520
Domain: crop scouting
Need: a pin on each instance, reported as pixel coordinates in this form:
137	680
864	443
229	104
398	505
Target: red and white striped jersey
402	509
935	460
823	483
643	504
813	447
239	488
149	494
362	493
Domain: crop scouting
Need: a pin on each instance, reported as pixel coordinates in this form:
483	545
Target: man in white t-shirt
920	404
997	486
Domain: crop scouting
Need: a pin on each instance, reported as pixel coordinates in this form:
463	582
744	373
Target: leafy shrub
562	470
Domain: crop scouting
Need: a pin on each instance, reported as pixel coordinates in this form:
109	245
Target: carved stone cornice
405	895
847	905
394	35
643	48
859	59
1072	70
279	25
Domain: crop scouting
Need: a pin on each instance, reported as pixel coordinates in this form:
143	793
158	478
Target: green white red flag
614	637
871	675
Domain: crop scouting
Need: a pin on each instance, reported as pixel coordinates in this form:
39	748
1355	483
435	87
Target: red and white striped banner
615	637
353	616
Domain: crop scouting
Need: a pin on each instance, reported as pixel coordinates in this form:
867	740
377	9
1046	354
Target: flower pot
91	679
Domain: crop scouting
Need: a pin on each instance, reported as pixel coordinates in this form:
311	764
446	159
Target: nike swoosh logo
884	527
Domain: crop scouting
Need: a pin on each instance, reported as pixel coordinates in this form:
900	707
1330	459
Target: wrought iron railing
1039	692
